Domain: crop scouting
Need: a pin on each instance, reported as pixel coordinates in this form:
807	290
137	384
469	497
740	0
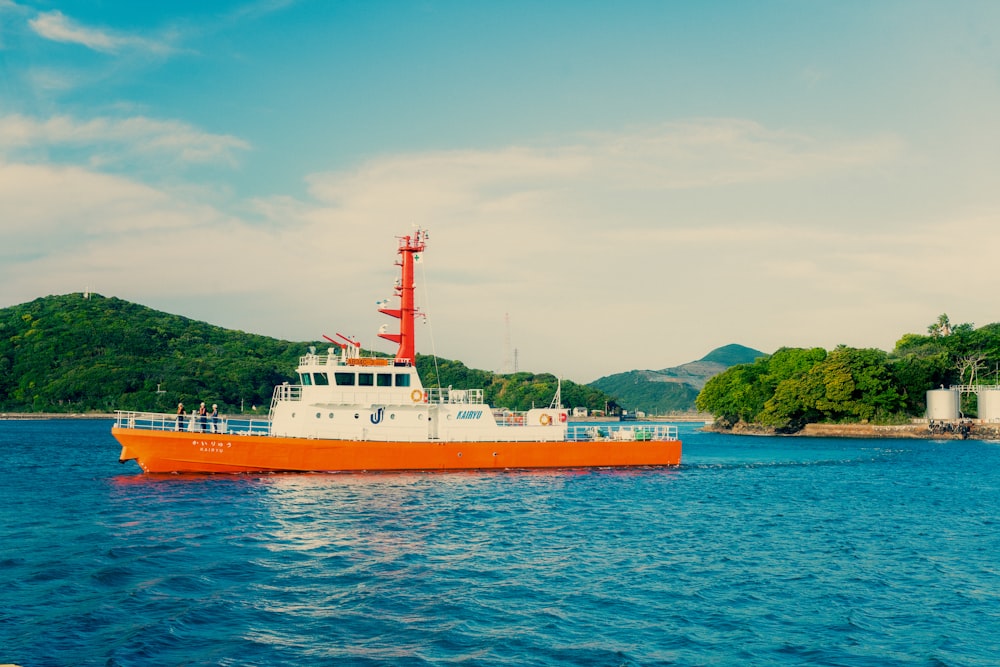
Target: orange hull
166	451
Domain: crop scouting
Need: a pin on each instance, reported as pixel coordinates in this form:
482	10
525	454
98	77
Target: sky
606	186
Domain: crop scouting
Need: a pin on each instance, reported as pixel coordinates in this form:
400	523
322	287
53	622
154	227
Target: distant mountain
672	389
731	355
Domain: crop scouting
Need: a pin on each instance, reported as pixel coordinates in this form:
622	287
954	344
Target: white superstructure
341	395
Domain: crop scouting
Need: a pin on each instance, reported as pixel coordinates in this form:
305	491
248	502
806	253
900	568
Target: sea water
755	551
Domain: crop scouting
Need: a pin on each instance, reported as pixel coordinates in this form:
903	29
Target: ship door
433	423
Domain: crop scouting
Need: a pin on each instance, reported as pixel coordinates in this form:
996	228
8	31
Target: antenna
508	362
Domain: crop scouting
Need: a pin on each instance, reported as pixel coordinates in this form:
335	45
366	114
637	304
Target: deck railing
161	421
459	396
287	392
627	432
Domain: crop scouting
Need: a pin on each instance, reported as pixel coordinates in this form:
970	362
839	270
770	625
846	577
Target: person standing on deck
180	416
202	418
215	417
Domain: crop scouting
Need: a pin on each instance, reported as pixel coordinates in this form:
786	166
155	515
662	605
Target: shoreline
38	416
919	431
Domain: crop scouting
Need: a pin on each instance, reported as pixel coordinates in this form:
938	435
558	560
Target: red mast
409	246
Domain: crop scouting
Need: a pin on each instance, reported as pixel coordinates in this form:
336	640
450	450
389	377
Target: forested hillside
796	386
672	389
74	354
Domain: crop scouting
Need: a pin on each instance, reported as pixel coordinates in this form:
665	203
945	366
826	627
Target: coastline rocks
865	431
739	428
957	431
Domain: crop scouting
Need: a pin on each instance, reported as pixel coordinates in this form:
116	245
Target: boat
350	412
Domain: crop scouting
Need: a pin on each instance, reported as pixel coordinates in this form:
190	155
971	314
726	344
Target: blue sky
629	185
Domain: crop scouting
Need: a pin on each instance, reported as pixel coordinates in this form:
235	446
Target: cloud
10	6
609	252
135	135
637	232
259	9
55	26
64	226
712	152
671	156
640	179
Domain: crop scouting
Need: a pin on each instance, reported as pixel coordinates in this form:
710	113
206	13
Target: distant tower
508	363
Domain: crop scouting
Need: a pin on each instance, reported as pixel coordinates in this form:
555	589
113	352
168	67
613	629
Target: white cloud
644	238
11	6
594	248
68	227
135	135
55	26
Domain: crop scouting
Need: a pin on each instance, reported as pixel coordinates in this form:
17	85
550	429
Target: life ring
416	395
562	416
545	420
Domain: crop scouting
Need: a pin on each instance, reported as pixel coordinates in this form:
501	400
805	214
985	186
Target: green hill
731	355
672	389
793	387
73	354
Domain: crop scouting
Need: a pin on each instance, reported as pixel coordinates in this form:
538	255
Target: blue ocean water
756	551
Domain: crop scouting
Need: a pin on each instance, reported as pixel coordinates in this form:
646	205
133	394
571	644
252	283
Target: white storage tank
942	404
989	404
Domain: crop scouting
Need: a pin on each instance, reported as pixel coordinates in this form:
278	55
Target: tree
741	393
942	327
969	365
850	384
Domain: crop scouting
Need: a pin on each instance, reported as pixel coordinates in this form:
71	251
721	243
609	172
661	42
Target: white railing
336	360
161	421
630	432
449	395
287	392
510	418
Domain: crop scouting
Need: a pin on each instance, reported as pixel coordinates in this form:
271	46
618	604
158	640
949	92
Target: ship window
403	380
321	378
305	379
344	379
366	379
384	380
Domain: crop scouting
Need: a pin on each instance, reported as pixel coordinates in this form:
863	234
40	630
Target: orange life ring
416	395
545	420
